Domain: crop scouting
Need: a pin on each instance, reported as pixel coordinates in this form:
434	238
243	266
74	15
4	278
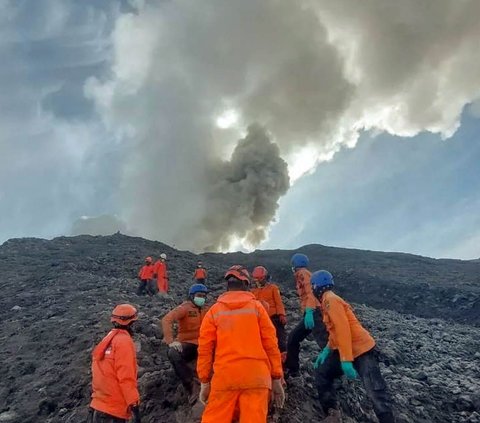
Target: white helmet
163	256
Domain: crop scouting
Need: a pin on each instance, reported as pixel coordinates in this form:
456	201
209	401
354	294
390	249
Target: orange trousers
162	284
252	405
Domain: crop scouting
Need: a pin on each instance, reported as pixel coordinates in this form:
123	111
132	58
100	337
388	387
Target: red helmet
238	272
148	259
124	314
260	273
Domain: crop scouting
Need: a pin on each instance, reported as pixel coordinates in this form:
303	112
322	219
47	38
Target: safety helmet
299	260
260	273
148	259
320	280
124	314
239	272
196	288
163	256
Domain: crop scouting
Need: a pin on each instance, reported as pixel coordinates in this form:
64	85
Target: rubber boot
334	416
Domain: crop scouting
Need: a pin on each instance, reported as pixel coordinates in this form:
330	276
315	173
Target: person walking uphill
237	344
200	274
312	319
350	351
115	396
161	274
147	282
183	349
269	293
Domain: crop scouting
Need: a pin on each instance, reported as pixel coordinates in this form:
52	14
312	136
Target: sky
242	125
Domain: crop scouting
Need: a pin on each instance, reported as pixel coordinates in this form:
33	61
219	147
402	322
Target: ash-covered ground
57	296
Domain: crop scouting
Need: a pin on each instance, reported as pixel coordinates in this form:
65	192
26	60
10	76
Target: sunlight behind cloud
227	119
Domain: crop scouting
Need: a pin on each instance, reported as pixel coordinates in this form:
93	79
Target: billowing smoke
314	73
243	193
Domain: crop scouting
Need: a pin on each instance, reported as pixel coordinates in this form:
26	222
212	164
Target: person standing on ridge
183	349
200	274
311	321
147	282
238	356
269	293
350	351
115	397
161	274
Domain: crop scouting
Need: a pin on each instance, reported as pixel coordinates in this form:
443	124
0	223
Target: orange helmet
124	314
148	259
239	272
260	273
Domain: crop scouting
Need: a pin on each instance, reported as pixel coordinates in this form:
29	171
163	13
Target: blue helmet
299	260
197	287
320	280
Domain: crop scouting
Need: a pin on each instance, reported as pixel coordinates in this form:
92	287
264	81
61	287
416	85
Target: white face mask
199	301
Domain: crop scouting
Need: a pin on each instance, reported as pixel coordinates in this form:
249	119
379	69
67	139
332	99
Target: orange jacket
160	270
238	342
200	273
114	375
304	289
146	272
189	318
271	295
345	333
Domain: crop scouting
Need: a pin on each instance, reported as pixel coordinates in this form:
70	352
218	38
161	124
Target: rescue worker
311	321
161	274
238	346
200	274
115	397
350	351
147	282
269	293
182	349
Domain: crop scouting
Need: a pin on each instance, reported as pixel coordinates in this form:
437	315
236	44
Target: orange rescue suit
238	343
270	294
189	318
114	375
200	273
160	269
304	289
345	333
146	272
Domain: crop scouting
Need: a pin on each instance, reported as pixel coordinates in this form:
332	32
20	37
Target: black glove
136	414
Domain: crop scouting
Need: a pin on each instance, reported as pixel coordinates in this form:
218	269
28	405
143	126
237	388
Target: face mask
199	301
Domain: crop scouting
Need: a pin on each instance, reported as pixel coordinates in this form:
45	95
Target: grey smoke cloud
243	192
313	73
142	142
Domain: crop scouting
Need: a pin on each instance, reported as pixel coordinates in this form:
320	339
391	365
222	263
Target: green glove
322	356
349	370
308	319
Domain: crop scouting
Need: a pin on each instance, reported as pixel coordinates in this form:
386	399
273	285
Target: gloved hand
322	356
308	319
349	370
278	393
135	414
204	393
176	346
283	319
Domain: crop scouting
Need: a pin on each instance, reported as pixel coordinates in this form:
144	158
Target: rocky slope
57	296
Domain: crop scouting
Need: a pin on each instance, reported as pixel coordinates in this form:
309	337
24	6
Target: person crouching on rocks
115	397
147	283
182	350
350	351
